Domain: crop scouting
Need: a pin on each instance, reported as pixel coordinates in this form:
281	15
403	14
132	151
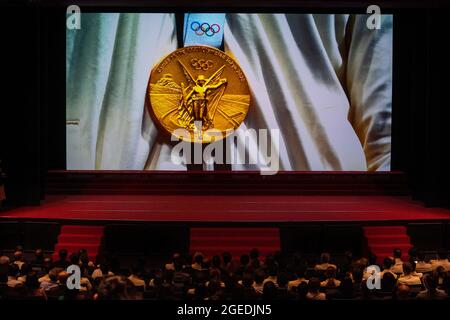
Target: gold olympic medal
198	94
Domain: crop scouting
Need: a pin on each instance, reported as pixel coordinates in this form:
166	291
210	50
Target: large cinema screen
288	92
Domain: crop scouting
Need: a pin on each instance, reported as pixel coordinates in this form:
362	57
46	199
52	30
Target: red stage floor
177	208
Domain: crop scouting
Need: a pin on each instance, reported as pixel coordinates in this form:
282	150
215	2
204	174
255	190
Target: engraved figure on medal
198	92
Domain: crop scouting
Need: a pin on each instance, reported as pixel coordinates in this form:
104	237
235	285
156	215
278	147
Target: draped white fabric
325	81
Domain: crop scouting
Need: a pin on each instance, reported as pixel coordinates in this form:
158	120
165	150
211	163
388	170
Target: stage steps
76	237
382	240
238	241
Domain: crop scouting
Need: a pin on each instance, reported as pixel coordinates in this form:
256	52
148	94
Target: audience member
324	263
431	291
408	277
314	290
397	267
422	265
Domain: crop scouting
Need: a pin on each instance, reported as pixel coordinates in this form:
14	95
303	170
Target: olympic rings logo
204	28
201	64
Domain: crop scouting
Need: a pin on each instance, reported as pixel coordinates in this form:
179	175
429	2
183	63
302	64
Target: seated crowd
294	277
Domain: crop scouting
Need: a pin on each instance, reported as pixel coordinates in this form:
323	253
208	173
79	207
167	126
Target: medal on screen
201	90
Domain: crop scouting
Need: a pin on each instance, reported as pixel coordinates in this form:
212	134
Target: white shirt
410	280
324	266
440	262
97	273
295	283
316	296
423	267
137	281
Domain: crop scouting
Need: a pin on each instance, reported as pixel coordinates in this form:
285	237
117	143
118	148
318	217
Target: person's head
3	277
226	258
39	254
325	257
48	264
83	272
116	288
247	280
168	276
302	290
282	280
259	276
403	292
366	292
300	271
75	259
358	275
104	268
269	291
63	254
387	263
198	258
254	254
135	270
178	265
442	254
407	268
25	269
412	253
330	273
420	255
18	256
348	256
206	263
157	280
372	259
314	285
176	257
201	80
362	263
188	259
397	253
32	281
430	281
213	287
53	274
62	277
4	261
214	274
388	282
346	286
272	271
83	256
441	272
216	261
200	291
13	270
244	260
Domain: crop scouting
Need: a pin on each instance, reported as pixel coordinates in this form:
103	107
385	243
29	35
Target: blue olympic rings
204	28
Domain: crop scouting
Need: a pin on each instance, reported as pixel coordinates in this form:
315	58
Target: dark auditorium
219	158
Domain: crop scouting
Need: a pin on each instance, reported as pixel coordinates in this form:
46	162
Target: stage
261	209
211	212
226	198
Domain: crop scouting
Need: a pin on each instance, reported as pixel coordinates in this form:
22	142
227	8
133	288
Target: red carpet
228	208
383	240
73	238
211	241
